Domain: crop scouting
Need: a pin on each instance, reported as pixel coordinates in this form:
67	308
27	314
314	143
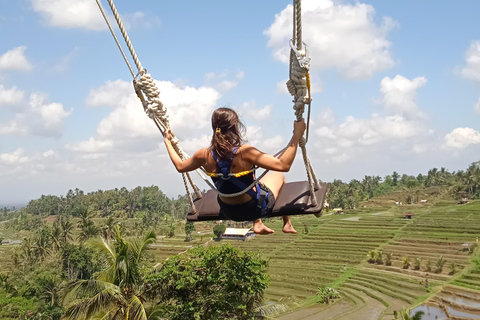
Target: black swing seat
294	199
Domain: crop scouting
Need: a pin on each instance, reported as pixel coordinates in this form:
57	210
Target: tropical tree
189	229
66	227
215	283
405	314
117	292
87	227
219	229
108	228
43	242
56	236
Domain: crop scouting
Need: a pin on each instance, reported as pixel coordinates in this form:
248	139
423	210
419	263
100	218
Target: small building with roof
238	234
408	215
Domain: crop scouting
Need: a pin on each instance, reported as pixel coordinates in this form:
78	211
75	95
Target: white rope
297	87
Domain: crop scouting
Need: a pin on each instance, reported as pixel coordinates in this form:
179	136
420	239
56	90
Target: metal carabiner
303	59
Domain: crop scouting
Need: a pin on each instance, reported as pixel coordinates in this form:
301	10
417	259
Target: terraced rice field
299	264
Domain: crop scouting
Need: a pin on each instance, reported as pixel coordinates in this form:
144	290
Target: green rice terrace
334	254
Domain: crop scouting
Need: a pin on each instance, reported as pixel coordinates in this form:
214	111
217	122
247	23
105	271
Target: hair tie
218	130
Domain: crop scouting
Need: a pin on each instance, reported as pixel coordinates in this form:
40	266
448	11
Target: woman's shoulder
247	149
202	153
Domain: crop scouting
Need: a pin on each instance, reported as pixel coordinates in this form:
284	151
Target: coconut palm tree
108	228
67	228
405	315
116	292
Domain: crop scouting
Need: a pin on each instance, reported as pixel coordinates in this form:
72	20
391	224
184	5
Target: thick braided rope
297	86
298	21
125	35
190	198
115	37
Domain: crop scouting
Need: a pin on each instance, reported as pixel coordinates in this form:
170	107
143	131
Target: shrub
327	294
379	257
216	282
372	256
453	268
388	259
428	266
416	263
406	262
439	263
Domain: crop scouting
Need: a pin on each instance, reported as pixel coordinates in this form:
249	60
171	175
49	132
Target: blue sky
396	87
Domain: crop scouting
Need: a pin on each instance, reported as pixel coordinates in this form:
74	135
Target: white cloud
90	146
398	124
40	118
340	36
70	14
219	80
15	60
12	96
477	106
139	19
112	94
84	14
400	95
472	58
128	128
248	110
13	127
14	158
461	138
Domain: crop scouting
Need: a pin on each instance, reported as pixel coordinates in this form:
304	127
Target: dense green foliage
218	282
460	184
139	202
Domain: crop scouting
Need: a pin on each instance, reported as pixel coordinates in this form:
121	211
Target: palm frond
88	288
103	246
139	247
136	309
106	301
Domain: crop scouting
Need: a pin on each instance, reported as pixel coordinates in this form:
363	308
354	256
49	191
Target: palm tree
56	235
118	291
86	224
52	287
405	315
67	228
108	228
43	243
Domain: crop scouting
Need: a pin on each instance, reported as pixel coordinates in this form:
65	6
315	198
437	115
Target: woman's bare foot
260	228
288	228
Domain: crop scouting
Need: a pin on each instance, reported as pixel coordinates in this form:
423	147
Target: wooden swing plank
294	199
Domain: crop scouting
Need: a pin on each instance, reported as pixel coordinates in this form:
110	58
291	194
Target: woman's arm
285	161
190	164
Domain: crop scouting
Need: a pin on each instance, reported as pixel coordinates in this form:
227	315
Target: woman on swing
227	153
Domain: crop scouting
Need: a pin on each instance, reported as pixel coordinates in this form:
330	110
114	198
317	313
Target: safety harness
219	180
